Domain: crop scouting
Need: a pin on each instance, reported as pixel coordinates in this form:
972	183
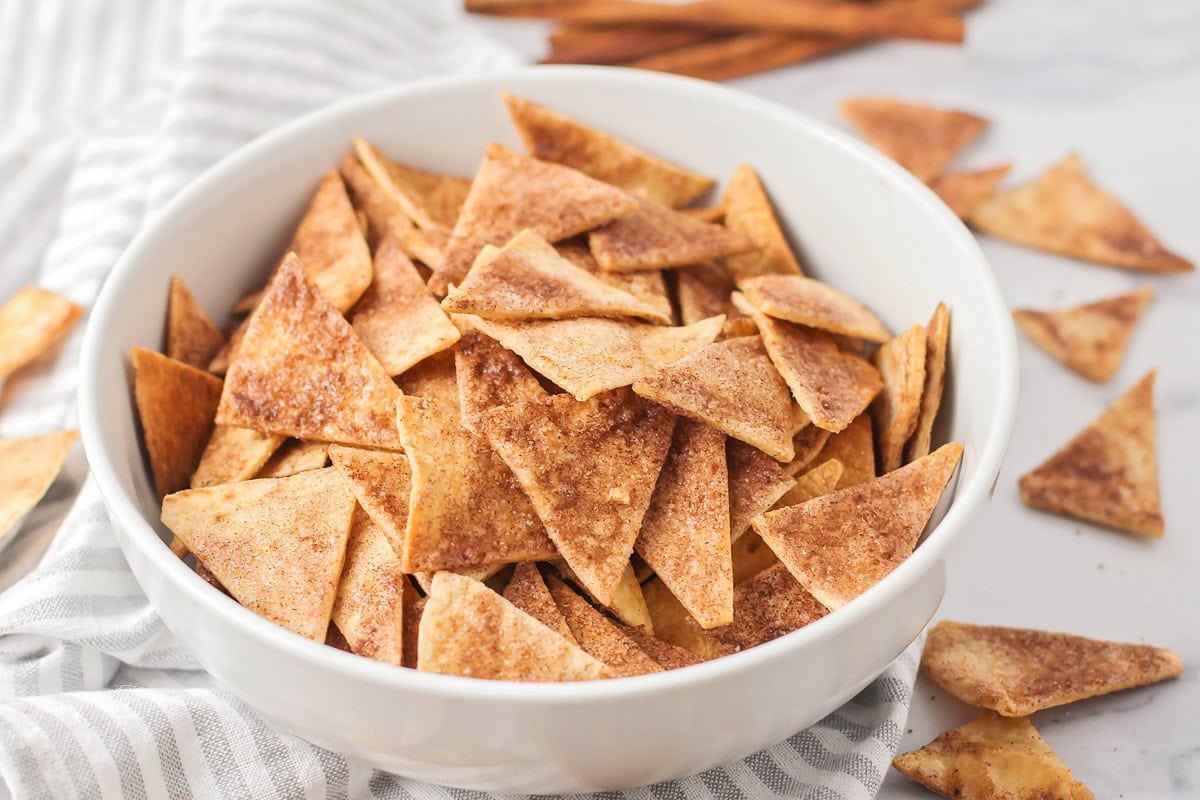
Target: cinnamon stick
742	54
585	45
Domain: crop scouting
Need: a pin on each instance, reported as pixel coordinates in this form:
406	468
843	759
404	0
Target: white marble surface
1120	84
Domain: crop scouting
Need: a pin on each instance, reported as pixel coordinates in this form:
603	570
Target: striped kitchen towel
107	108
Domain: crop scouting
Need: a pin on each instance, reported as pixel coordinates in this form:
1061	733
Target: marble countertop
1118	83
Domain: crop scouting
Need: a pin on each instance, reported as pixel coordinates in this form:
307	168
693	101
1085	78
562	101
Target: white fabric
107	108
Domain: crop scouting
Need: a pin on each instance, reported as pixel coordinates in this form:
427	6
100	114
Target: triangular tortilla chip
937	335
901	364
513	192
527	591
469	630
233	454
1016	671
808	443
191	335
732	386
587	356
31	321
628	604
434	379
668	656
528	279
674	625
821	479
414	608
220	362
765	607
277	545
832	386
369	607
330	246
487	574
465	508
963	191
176	404
704	291
598	636
490	376
658	237
1090	338
295	457
839	545
425	247
1109	472
750	556
589	468
28	467
922	139
1063	212
685	533
855	449
992	757
551	136
810	302
756	482
381	483
384	215
301	371
430	199
647	286
397	319
749	211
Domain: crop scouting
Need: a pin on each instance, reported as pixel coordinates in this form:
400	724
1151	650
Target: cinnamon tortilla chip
28	467
821	479
922	139
598	636
749	211
647	286
810	302
426	247
301	371
430	199
964	191
466	508
384	215
551	136
589	468
1108	473
587	356
765	607
674	625
434	379
658	237
668	656
855	449
937	334
513	192
176	404
1063	212
467	629
808	443
233	454
330	247
628	604
1091	338
192	338
685	533
381	483
750	556
732	386
527	591
901	364
220	362
277	545
369	606
295	457
992	756
756	482
490	376
30	322
397	319
704	291
839	545
486	574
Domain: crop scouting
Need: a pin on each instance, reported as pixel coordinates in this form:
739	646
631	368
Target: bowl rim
141	533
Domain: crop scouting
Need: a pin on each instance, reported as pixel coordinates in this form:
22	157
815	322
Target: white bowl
858	221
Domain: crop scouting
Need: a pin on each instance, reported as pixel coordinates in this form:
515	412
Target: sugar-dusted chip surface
381	482
937	341
234	454
489	376
28	467
756	482
527	591
191	335
384	215
369	606
330	246
810	302
854	447
748	210
430	199
294	457
599	636
658	237
901	364
920	138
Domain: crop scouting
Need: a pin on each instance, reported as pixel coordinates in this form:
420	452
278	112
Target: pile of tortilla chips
549	423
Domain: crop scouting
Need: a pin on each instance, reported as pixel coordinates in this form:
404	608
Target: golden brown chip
685	533
756	482
28	467
855	449
715	214
527	591
528	279
810	302
487	574
732	386
1090	338
922	139
749	211
277	545
384	215
821	479
425	247
513	192
1016	671
589	468
397	319
381	483
750	556
551	136
430	199
832	386
668	656
628	604
31	321
467	629
434	379
901	363
765	607
490	376
295	457
808	443
191	335
414	608
839	545
674	625
1109	472
587	356
369	606
330	247
963	191
598	636
658	237
703	291
466	508
647	286
233	454
937	335
301	371
220	362
176	404
1063	212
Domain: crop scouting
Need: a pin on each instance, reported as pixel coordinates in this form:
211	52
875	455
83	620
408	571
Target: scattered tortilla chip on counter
964	191
756	482
430	199
385	217
294	457
28	468
330	246
527	591
369	606
599	637
381	483
810	302
901	363
748	210
191	335
855	449
233	454
30	322
658	237
920	138
937	336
